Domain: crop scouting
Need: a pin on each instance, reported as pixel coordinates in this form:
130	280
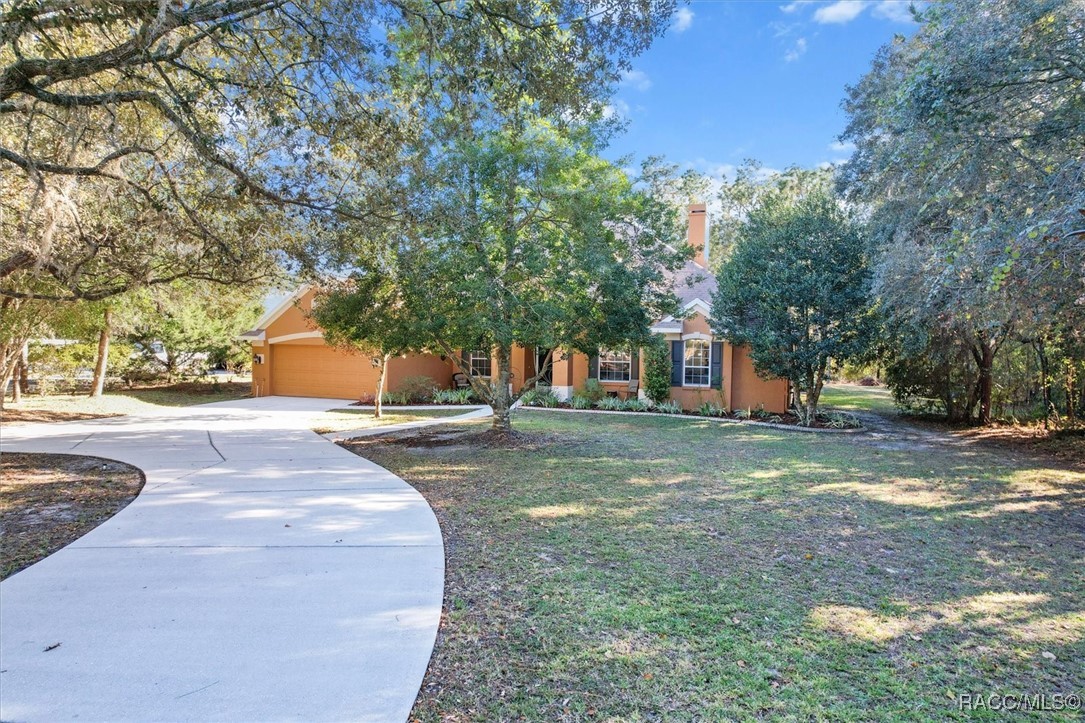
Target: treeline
967	185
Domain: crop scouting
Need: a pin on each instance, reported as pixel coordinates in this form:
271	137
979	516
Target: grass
854	398
644	568
50	500
343	420
70	407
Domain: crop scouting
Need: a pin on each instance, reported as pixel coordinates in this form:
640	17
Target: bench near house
290	357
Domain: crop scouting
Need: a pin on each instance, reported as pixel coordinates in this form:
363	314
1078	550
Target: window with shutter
697	367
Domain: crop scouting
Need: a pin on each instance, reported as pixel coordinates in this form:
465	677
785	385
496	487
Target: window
615	366
480	363
697	367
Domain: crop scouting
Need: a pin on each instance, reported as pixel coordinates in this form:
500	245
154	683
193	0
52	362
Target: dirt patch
1065	446
49	500
12	415
467	435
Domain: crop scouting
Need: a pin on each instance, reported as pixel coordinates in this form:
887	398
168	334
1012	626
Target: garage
316	370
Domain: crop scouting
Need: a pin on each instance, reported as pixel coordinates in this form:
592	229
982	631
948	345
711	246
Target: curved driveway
262	574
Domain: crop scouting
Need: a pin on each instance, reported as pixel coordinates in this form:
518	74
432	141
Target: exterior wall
261	373
309	367
751	391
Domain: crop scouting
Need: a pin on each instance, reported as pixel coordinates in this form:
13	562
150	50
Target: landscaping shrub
709	409
579	401
841	420
453	396
416	389
636	405
656	376
540	397
395	398
670	407
610	404
593	390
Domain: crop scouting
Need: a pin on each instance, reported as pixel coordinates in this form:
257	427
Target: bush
610	404
636	405
540	397
593	390
671	407
657	370
395	398
743	413
453	396
841	420
416	389
579	401
708	409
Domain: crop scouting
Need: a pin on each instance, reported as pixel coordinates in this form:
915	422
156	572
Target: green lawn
345	420
68	407
672	569
855	398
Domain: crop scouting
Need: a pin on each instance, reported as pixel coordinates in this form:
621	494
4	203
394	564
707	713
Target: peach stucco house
290	357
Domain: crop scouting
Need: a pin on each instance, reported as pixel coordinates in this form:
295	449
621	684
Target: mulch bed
50	500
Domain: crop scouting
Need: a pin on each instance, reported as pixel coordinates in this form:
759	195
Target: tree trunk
986	364
502	399
7	372
19	384
382	372
101	365
1040	347
1071	402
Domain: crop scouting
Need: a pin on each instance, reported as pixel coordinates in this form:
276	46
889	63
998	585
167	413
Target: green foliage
610	404
178	327
656	374
709	409
593	391
636	405
841	420
969	139
416	389
452	396
579	401
540	397
932	372
58	367
671	407
796	290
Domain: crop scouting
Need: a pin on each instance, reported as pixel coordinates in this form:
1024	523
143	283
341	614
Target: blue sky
752	79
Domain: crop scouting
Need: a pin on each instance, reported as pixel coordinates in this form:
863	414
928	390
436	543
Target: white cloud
683	19
841	11
899	11
795	5
797	51
636	79
616	108
839	147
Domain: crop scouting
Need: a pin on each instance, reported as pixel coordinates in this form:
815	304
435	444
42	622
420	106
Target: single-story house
290	357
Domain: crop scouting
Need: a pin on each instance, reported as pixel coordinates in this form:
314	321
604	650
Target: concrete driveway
262	574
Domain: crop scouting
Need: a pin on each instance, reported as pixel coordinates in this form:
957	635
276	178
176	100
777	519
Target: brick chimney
698	233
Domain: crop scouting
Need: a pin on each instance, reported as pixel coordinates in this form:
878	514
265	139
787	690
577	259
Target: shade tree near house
969	141
231	134
367	314
796	290
522	237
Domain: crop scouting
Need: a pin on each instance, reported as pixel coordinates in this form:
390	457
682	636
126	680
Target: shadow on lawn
649	568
